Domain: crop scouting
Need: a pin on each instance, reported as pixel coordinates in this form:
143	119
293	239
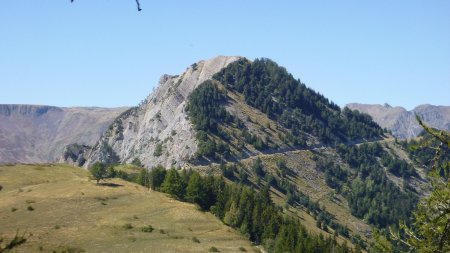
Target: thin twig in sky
137	3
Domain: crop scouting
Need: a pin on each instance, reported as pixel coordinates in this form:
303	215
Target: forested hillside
272	90
251	212
379	186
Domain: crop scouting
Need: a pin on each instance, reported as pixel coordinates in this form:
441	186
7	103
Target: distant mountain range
403	123
36	133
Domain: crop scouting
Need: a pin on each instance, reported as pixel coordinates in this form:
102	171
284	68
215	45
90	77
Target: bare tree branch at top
137	3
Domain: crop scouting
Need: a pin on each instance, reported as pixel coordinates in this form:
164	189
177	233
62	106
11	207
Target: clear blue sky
105	53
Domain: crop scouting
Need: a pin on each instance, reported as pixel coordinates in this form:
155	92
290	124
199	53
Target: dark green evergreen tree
195	190
257	167
157	175
173	184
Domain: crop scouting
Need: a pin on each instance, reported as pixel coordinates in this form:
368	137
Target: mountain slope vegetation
252	213
272	90
333	170
375	181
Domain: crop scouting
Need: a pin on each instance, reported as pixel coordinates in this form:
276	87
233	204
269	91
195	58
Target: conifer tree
195	190
173	184
430	232
157	176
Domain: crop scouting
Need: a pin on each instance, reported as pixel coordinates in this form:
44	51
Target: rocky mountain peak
158	130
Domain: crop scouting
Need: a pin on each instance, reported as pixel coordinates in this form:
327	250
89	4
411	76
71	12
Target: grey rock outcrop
36	133
74	154
157	131
403	123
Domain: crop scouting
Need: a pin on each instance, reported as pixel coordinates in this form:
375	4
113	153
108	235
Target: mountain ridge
39	133
26	109
401	122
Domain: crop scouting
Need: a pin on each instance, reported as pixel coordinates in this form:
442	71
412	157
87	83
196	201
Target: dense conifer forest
271	89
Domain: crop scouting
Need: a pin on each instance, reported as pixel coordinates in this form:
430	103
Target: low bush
213	249
128	226
147	229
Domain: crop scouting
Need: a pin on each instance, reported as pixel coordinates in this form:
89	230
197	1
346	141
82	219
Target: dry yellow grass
72	212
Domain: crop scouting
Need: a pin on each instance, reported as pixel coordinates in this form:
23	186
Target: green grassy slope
71	212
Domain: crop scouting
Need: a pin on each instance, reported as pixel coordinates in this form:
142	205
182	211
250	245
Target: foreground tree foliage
430	232
423	150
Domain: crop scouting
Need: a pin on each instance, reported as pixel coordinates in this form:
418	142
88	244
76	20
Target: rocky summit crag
158	130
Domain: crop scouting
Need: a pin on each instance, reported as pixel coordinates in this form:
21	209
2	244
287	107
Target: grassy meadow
59	209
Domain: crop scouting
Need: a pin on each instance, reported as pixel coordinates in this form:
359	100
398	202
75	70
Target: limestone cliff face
36	133
403	123
157	131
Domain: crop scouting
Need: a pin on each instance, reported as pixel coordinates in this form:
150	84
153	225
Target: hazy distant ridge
402	122
39	133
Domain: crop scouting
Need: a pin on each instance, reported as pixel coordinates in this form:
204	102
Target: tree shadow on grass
109	184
